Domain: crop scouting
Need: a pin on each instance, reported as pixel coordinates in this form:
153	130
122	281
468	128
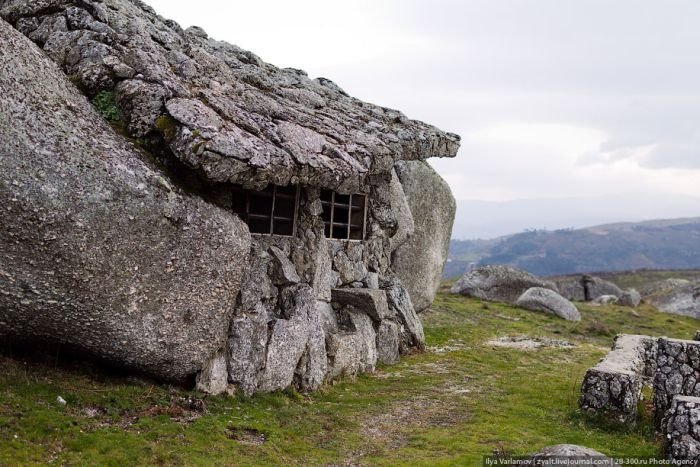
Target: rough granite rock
247	343
574	288
613	387
433	211
388	343
498	283
411	328
677	373
354	349
227	113
630	298
563	453
369	301
405	225
682	299
313	366
681	424
548	301
213	378
289	338
212	116
98	250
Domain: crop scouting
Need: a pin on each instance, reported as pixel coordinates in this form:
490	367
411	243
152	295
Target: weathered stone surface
663	286
613	387
630	298
235	118
283	271
498	283
353	351
313	367
682	299
586	288
97	249
213	115
419	261
388	342
681	425
548	301
677	372
561	455
369	301
247	344
213	378
285	348
348	261
405	226
324	279
411	328
327	317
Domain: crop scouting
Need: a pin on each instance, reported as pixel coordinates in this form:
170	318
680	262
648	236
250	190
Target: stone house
267	205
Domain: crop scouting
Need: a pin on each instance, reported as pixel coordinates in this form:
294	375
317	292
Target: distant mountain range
659	244
487	219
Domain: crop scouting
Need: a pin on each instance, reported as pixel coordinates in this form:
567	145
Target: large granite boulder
420	260
566	454
498	283
550	302
586	288
98	250
678	299
221	110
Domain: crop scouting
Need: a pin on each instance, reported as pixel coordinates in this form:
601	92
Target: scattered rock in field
604	300
630	298
684	299
450	346
528	343
92	412
247	436
586	288
663	286
61	401
548	301
560	455
498	283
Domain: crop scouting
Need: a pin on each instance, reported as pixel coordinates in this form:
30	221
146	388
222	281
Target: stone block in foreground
613	387
681	426
677	373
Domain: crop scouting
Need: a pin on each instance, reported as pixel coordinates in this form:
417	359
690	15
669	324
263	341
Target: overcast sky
552	98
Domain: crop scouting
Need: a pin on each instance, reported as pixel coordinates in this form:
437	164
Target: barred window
271	211
344	216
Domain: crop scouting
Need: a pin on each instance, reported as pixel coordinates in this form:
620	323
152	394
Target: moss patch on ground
462	399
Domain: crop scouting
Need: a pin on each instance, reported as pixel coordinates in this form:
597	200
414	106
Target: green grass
457	402
106	104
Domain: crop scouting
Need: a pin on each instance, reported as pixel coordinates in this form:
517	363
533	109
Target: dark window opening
344	216
270	211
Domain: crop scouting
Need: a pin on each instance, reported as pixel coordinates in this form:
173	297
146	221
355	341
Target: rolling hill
659	244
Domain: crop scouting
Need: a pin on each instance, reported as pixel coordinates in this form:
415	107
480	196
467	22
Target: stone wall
313	309
613	387
678	372
681	425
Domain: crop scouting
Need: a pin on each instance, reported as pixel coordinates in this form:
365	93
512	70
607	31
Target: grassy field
462	399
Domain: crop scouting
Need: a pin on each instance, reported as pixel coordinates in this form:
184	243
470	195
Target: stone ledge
613	387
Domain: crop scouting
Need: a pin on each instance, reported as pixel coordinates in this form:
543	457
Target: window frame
241	194
331	223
